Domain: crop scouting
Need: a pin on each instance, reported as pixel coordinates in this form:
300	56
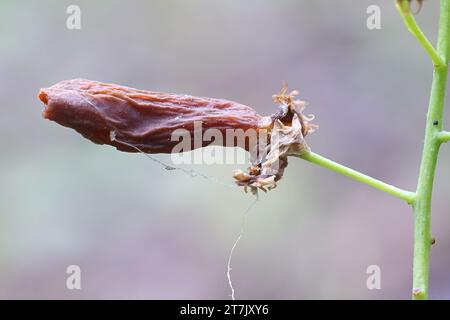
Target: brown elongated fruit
147	119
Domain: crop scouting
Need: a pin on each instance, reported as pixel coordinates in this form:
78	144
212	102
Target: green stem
331	165
432	142
443	136
434	137
413	27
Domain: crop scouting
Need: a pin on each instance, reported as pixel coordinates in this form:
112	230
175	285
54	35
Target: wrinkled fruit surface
121	116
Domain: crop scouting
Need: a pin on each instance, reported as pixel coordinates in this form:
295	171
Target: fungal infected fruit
131	120
142	118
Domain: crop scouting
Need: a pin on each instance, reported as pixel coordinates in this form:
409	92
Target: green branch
405	10
331	165
422	204
443	136
434	137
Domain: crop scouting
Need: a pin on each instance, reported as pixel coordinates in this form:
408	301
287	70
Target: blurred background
138	231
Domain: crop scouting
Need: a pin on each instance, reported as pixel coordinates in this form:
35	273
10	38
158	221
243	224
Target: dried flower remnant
286	139
131	120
